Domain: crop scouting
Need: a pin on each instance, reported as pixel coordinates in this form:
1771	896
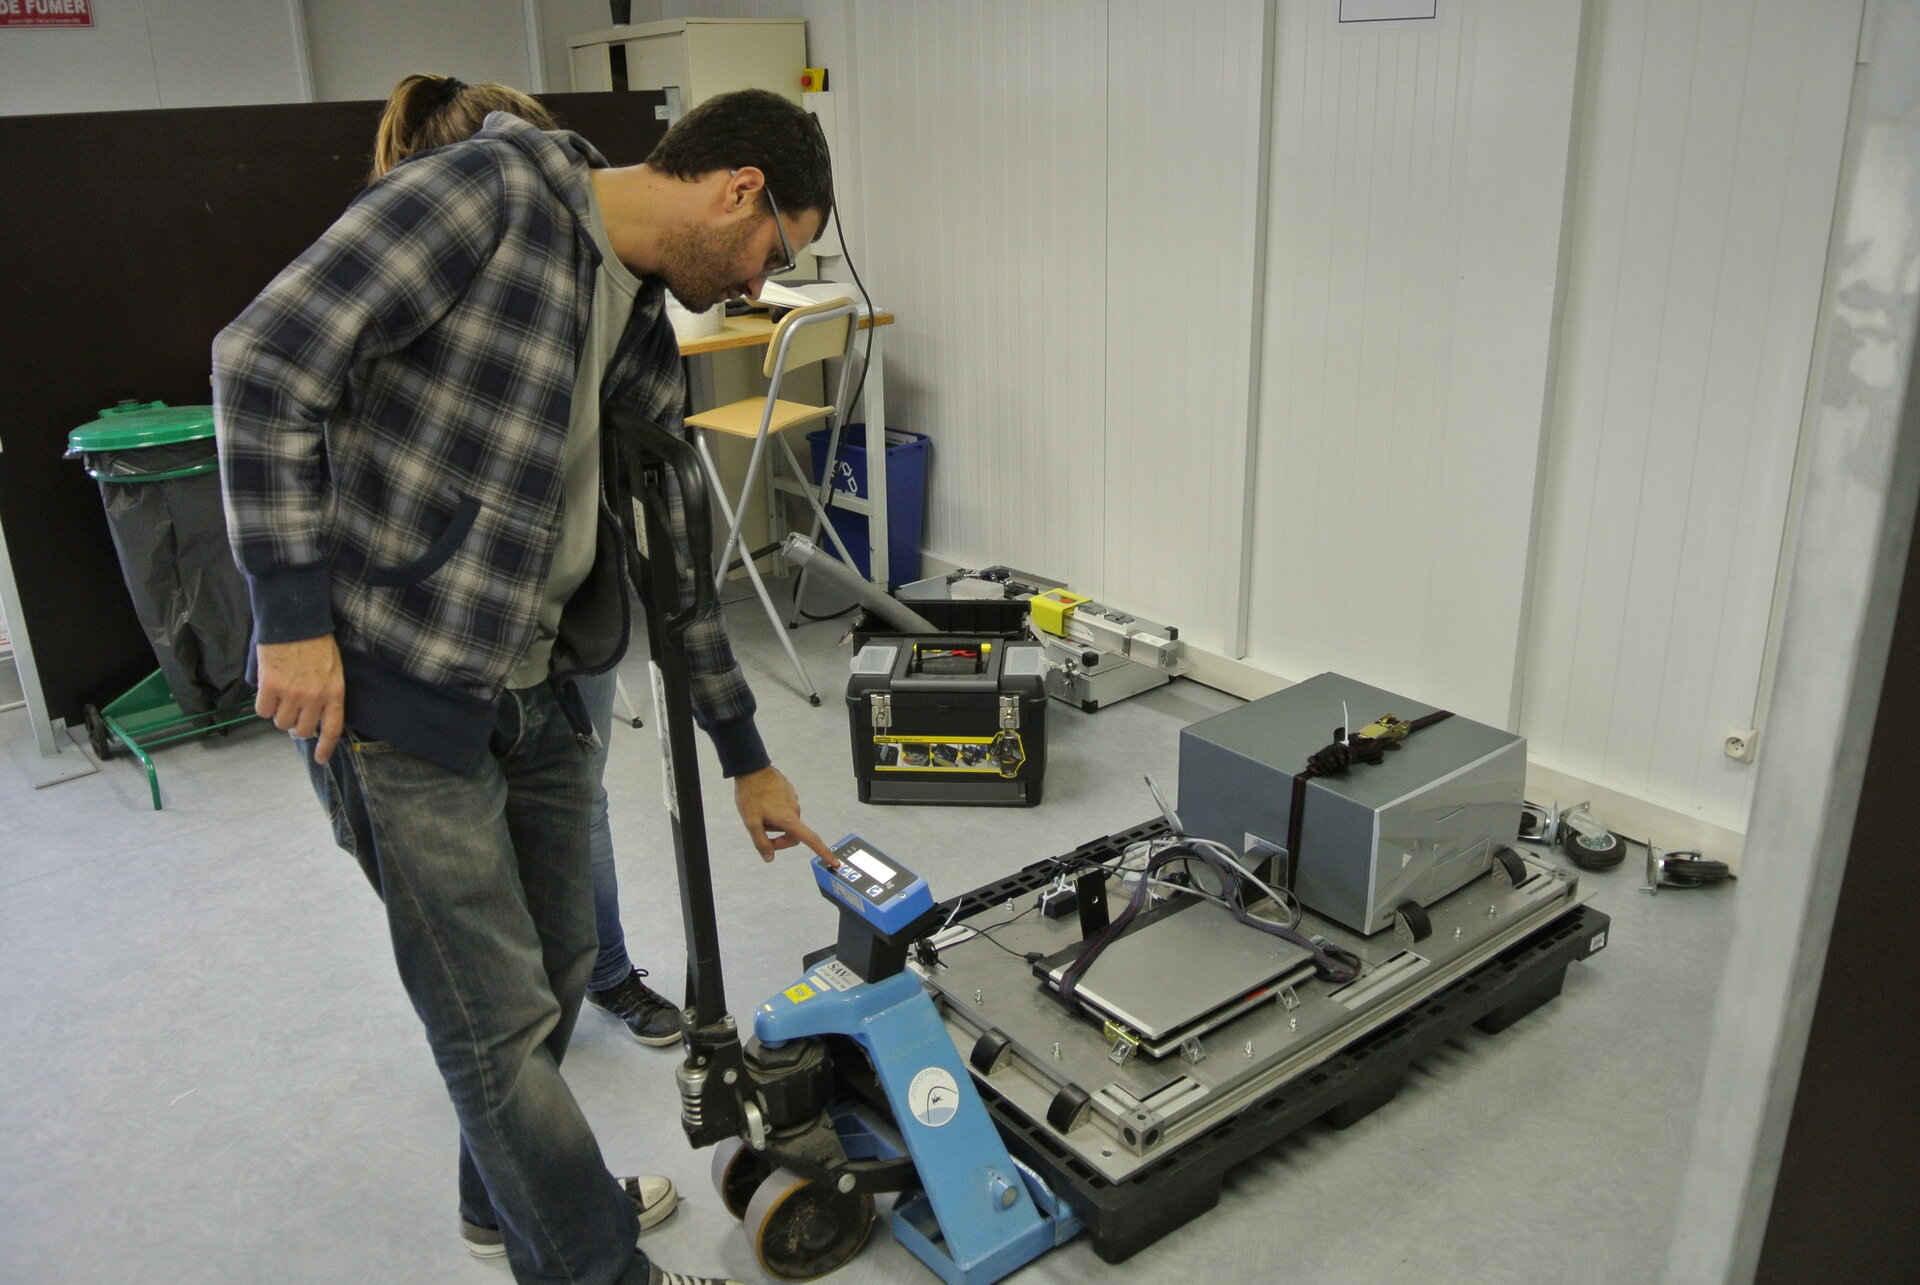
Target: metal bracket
756	1126
1125	1043
881	706
1193	1050
1010	713
1288	999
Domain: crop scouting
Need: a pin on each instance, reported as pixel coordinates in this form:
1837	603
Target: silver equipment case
1107	655
1377	840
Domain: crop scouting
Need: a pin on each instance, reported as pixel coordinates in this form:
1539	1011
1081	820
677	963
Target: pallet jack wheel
802	1229
738	1170
98	735
1414	918
814	699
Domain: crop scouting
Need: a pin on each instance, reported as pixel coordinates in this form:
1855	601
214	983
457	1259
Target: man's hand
771	810
303	691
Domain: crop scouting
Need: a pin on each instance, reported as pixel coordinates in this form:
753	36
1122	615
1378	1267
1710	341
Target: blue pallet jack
850	1086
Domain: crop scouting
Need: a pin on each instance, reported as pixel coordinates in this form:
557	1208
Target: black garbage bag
164	511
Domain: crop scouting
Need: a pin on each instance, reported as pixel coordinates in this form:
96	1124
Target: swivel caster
738	1170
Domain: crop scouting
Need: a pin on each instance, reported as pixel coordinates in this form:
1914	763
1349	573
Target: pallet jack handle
675	588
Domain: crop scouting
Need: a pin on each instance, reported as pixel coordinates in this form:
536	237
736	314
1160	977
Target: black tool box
949	719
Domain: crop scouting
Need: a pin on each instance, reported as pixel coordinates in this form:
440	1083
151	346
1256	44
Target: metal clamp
1125	1043
1010	713
880	705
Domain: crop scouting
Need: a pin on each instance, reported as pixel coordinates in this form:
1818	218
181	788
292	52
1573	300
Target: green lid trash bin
158	473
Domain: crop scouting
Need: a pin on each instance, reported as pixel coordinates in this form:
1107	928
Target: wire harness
1330	962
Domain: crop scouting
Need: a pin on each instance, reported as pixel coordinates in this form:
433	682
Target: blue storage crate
906	497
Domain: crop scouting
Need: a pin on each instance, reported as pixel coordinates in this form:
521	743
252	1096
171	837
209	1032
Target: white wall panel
1183	197
983	133
153	53
1417	189
1709	151
1060	204
361	48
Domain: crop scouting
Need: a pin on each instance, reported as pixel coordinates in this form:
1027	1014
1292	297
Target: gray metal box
1414	827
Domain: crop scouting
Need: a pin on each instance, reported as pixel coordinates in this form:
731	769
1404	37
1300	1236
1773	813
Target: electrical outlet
1741	743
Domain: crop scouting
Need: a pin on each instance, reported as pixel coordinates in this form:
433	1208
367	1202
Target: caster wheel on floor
738	1170
802	1229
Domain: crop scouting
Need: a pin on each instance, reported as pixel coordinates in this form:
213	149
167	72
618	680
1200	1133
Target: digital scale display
876	879
872	865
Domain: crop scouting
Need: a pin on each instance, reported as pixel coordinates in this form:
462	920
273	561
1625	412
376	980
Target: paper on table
781	297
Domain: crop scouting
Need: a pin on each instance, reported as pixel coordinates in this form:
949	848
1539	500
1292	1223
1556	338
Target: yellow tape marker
798	992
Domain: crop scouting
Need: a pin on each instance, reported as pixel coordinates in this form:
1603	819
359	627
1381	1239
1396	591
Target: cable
1330	963
990	929
1286	901
846	252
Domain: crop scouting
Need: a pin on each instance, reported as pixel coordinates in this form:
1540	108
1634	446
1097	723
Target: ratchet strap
1369	745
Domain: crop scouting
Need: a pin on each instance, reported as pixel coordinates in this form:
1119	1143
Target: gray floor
211	1075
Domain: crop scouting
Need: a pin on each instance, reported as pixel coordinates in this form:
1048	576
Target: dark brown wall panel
130	239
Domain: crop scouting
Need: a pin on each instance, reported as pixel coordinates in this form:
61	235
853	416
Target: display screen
867	862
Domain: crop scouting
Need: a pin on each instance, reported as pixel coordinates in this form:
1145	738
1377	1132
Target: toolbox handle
642	440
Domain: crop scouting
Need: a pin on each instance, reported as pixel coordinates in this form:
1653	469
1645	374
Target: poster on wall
46	13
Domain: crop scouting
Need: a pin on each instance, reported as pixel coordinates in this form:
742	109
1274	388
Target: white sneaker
653	1199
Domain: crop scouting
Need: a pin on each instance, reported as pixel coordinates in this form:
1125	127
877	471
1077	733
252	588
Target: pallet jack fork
850	1086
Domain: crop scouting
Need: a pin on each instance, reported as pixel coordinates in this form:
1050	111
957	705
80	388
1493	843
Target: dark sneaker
663	1277
482	1242
653	1018
653	1199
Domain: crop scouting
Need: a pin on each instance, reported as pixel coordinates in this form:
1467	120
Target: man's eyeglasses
786	261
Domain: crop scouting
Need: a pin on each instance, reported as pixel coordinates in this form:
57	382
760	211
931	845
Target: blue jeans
612	965
488	897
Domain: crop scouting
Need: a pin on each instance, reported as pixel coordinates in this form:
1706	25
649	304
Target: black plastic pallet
1122	1218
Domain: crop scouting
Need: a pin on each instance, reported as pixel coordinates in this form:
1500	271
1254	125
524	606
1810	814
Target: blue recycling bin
906	497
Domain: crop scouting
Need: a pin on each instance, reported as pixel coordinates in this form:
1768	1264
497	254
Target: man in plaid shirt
409	423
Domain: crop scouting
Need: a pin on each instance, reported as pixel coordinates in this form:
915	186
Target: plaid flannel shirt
391	412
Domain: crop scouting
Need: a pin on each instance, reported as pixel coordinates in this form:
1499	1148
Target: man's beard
695	263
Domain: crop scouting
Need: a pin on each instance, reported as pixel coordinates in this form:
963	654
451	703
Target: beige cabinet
692	58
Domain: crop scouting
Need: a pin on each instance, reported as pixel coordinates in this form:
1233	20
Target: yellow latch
1386	728
1051	609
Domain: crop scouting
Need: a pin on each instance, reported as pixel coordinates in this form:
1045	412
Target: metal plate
1143	1107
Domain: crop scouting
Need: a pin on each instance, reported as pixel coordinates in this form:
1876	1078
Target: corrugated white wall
1709	153
1184	196
1418	185
1062	214
984	128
